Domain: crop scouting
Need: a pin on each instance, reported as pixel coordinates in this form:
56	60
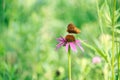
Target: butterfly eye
72	29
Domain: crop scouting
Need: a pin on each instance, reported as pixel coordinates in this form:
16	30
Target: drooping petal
67	47
73	47
59	45
79	45
61	39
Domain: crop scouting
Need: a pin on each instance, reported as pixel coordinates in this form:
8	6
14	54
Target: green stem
101	28
113	36
69	64
99	18
118	61
117	46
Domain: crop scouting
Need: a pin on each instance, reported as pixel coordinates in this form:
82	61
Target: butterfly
72	29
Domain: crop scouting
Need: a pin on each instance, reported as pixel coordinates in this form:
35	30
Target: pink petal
79	44
67	47
77	41
59	45
61	39
73	47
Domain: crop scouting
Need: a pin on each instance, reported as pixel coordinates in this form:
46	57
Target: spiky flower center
70	38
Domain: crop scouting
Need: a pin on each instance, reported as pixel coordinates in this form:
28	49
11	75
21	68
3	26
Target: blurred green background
28	32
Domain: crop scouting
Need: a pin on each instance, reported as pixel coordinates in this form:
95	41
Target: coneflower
70	43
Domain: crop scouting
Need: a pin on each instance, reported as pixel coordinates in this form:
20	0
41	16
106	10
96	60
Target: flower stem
113	36
117	46
69	64
118	51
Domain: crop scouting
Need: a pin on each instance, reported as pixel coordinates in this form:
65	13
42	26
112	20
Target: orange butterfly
72	29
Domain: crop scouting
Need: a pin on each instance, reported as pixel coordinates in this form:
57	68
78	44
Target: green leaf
100	52
117	25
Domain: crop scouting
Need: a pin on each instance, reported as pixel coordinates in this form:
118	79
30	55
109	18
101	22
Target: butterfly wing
72	29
